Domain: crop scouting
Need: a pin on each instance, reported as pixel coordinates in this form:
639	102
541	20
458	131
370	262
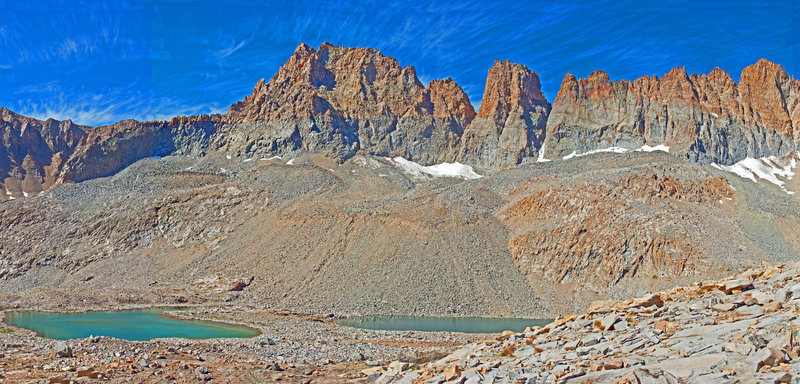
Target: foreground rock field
293	348
742	329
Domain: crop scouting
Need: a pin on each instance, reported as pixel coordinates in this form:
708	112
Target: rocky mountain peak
509	127
351	82
509	86
763	87
597	85
446	99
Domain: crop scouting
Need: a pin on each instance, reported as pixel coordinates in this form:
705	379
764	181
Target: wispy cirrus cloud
95	109
157	59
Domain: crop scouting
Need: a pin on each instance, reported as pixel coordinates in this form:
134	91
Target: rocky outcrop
110	148
704	118
337	100
36	155
33	152
510	126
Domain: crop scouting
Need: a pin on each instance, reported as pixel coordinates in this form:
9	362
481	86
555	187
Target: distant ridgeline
339	101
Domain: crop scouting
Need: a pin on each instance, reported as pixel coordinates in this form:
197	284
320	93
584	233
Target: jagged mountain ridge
337	101
704	118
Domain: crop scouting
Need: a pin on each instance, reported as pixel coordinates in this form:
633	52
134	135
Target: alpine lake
133	325
148	324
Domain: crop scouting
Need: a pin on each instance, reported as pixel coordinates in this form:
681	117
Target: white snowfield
418	171
644	148
766	168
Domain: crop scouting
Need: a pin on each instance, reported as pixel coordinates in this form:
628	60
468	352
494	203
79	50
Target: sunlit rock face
510	126
340	101
704	118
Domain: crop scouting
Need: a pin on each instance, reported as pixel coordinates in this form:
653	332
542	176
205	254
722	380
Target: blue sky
98	62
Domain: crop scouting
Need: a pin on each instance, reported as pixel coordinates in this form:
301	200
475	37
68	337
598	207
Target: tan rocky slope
368	237
339	101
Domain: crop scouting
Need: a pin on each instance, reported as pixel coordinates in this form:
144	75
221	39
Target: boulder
780	342
744	349
559	322
237	285
399	366
726	307
781	295
740	285
648	301
762	298
88	372
62	349
592	339
601	306
795	291
607	323
357	356
665	326
613	363
772	307
452	372
770	356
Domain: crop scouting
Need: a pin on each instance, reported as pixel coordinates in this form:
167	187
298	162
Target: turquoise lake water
136	325
442	324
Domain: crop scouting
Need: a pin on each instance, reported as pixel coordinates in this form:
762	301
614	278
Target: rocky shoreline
292	348
740	329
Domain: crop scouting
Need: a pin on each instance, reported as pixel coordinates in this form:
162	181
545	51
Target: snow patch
765	168
659	147
571	155
271	158
540	158
644	148
228	157
418	171
246	160
290	162
715	115
24	194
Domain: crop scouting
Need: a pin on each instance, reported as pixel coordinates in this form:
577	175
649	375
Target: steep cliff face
35	155
704	118
337	101
108	149
510	126
33	152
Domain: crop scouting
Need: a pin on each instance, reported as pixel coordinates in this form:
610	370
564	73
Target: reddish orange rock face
702	117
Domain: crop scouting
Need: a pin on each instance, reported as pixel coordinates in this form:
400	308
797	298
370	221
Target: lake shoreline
292	347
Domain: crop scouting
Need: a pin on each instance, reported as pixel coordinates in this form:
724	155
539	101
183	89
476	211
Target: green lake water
136	325
442	324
